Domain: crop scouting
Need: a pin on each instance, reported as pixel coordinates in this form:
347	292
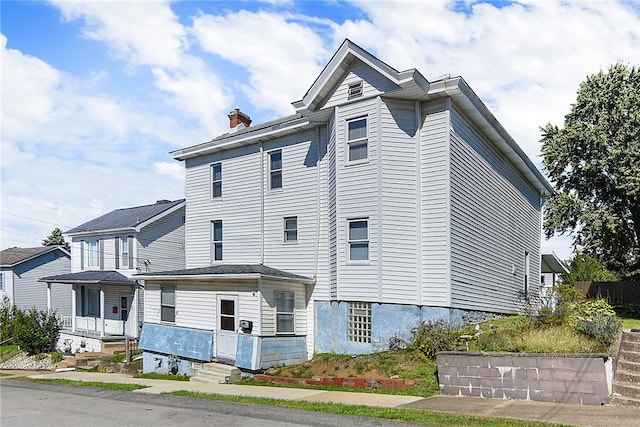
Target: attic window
355	90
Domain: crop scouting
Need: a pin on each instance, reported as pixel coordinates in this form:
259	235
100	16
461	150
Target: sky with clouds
94	94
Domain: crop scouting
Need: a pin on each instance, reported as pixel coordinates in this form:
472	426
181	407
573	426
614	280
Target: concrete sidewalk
568	414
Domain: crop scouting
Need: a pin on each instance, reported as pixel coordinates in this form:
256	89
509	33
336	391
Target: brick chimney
237	117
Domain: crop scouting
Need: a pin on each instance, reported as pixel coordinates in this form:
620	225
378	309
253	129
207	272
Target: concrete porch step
617	399
627	377
216	373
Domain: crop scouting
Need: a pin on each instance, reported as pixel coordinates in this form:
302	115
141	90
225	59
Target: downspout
262	182
315	267
74	306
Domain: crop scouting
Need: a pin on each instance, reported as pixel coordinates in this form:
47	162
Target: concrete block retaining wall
583	378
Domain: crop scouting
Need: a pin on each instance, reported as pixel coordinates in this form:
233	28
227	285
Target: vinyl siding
493	222
373	84
332	200
28	292
434	194
269	307
238	208
358	198
399	228
161	243
298	197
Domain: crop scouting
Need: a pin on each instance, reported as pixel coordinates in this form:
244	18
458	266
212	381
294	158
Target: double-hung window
285	312
126	257
168	304
216	240
88	302
358	239
357	140
216	180
291	229
275	169
93	253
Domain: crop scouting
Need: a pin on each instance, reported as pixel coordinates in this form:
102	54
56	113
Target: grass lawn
411	416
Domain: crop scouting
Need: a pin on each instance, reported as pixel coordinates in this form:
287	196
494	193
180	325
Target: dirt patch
392	364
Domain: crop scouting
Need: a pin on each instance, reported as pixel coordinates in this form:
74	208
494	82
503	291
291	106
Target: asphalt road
24	404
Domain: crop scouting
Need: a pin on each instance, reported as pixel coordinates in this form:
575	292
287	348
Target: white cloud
282	56
172	170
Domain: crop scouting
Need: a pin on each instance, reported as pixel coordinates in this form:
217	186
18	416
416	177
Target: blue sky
96	93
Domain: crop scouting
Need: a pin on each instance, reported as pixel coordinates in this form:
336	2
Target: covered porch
105	307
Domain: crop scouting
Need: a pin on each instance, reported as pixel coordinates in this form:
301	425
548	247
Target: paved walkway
569	414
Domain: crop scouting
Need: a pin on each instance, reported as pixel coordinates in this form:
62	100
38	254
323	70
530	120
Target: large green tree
55	238
594	162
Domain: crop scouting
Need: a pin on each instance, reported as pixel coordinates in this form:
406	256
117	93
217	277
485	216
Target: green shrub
35	331
56	357
602	327
430	337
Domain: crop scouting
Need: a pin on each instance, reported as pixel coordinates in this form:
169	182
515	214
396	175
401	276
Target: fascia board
213	277
101	232
460	91
243	139
160	216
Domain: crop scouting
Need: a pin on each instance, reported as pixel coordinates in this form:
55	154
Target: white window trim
349	241
285	230
90	251
168	305
271	170
214	242
213	180
349	142
286	313
124	250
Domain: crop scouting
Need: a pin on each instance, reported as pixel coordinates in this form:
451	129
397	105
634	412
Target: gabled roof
14	256
408	85
93	277
338	66
227	271
127	219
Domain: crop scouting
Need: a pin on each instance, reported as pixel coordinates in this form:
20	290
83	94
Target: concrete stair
626	381
215	373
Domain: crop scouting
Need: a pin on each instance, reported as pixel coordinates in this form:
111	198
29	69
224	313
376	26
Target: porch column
49	297
102	310
74	307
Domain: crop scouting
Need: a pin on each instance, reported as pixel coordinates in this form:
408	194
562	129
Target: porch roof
91	277
227	271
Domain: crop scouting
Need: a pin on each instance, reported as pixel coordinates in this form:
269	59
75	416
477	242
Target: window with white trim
216	240
275	169
216	180
358	239
126	258
359	322
357	140
291	229
1	280
168	303
93	253
285	312
526	273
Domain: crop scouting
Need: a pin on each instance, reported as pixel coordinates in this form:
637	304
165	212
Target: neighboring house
20	269
551	271
107	303
386	200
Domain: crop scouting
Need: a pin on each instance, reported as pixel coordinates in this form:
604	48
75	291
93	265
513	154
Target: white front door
227	339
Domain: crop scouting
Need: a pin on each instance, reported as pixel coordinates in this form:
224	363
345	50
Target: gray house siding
397	177
29	293
373	84
489	202
358	198
160	245
434	205
241	186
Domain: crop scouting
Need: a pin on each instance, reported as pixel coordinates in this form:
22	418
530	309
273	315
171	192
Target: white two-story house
385	200
107	302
